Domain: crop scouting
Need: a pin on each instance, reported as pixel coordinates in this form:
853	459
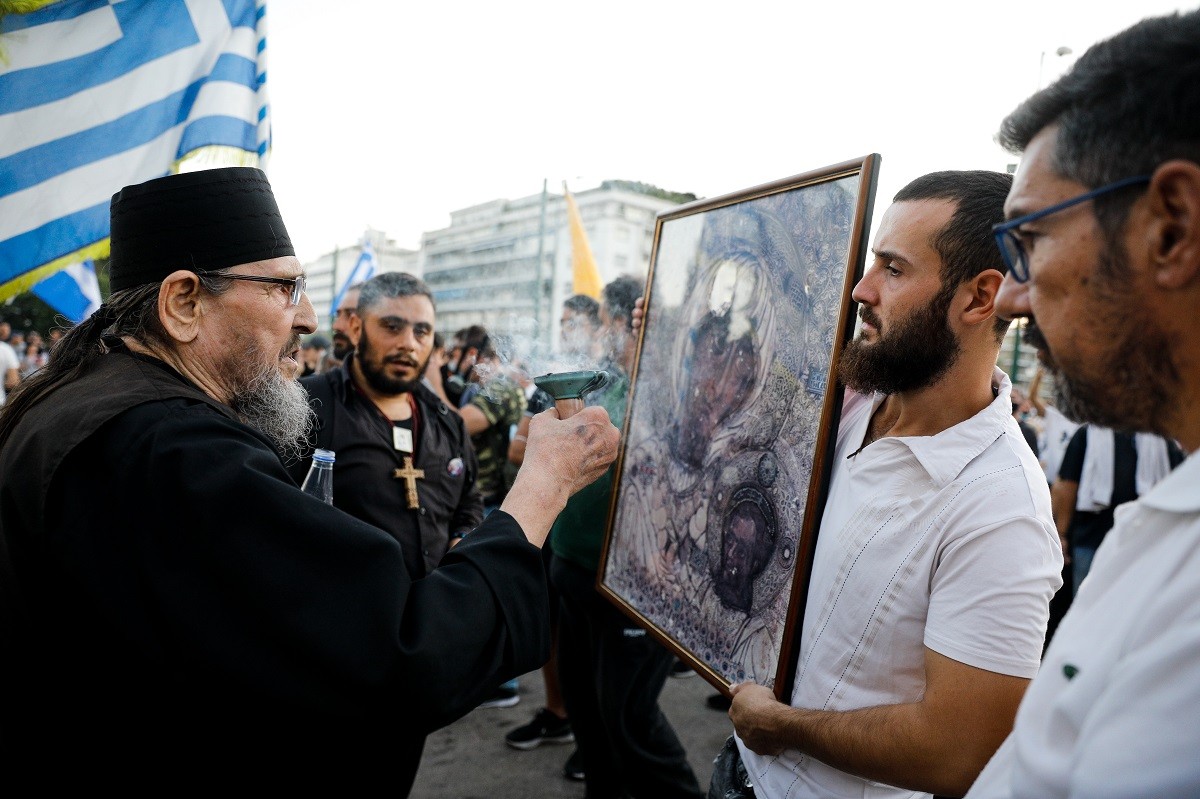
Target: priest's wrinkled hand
561	457
577	450
759	718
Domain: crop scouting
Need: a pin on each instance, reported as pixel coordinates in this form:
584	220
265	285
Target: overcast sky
391	115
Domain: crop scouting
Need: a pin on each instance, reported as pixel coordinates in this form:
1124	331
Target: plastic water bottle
319	480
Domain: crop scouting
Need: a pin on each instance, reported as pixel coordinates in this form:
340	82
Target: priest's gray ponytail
130	313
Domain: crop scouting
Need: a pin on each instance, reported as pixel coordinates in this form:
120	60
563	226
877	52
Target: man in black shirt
1113	478
392	435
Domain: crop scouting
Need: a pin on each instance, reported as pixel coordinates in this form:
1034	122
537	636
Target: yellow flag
586	275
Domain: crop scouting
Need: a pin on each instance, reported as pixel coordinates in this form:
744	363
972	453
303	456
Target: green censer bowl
568	388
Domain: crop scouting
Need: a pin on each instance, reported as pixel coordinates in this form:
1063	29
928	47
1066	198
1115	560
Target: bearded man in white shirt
937	554
1103	239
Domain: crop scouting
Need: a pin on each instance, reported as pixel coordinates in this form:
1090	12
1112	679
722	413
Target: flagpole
537	293
333	282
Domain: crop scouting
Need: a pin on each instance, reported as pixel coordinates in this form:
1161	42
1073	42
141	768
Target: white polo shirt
1115	711
942	541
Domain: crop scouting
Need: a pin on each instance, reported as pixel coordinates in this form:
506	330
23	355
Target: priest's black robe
170	602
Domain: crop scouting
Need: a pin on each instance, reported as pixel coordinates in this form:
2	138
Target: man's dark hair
619	297
476	338
391	285
439	341
1128	104
315	342
965	244
583	304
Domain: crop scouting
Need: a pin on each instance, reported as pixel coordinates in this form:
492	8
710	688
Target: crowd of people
455	411
173	606
22	353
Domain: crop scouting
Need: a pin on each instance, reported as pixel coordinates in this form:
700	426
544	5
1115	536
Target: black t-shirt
363	481
1088	528
540	401
1030	435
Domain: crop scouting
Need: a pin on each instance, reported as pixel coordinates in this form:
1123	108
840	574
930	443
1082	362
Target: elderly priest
173	610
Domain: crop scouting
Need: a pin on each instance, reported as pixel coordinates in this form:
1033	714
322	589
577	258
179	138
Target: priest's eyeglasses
1009	240
298	283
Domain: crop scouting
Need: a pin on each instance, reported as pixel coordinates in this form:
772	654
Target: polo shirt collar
945	455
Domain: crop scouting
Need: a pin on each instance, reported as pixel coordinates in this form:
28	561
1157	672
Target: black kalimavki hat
206	220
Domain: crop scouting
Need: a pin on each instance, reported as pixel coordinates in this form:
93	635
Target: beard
271	403
341	346
1136	377
373	368
915	353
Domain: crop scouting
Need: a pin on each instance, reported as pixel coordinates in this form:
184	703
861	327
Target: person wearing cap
171	605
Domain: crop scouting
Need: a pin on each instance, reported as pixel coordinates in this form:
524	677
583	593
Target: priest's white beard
275	406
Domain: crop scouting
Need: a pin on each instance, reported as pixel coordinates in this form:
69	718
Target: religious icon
723	465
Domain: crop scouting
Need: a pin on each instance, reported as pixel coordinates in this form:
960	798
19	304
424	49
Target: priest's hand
639	313
561	457
578	450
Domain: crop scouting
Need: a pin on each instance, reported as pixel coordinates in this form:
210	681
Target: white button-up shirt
1115	711
943	541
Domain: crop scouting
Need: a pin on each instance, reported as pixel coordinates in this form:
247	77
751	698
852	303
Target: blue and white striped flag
100	94
74	292
364	269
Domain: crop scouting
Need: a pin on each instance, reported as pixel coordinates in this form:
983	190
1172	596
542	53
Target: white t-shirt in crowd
8	360
1052	443
1115	711
945	542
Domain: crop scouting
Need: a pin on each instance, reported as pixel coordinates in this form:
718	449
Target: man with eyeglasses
343	339
937	555
1103	240
172	607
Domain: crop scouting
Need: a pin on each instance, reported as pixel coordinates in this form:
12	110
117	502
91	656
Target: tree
27	312
649	190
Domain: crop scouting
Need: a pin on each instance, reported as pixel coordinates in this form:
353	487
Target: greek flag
364	269
74	292
100	94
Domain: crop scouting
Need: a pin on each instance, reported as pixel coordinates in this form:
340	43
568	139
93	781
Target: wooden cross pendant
410	476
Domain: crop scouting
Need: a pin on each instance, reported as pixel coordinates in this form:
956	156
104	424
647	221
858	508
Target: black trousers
612	673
